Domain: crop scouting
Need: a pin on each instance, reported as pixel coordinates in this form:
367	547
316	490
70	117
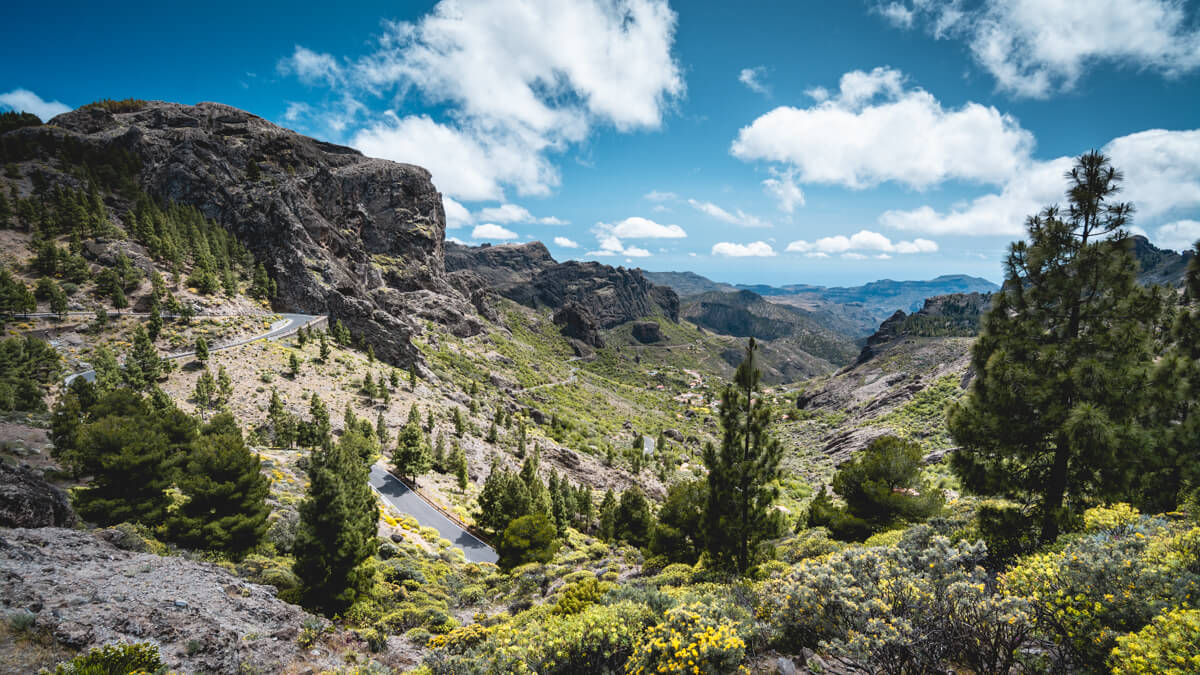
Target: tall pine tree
1053	415
336	536
738	515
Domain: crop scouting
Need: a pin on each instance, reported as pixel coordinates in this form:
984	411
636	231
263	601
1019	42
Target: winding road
405	500
390	488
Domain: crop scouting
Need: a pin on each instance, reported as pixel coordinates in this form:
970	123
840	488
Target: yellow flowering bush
689	640
1100	586
1104	518
1169	645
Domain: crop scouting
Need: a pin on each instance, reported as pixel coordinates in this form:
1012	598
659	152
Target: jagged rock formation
357	238
1159	266
647	332
525	273
577	323
27	500
86	592
955	314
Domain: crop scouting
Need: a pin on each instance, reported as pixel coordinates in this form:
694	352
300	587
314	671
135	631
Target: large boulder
575	321
647	332
27	500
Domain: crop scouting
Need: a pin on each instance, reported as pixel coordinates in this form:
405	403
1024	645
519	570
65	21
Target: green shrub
1169	645
688	640
808	543
1103	518
1097	587
578	596
21	620
116	659
310	631
676	574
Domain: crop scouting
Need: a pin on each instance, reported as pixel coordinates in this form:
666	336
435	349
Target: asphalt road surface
406	501
285	326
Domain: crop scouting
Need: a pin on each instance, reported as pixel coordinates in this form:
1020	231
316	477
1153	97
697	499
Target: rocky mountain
687	283
357	238
1159	266
586	296
746	314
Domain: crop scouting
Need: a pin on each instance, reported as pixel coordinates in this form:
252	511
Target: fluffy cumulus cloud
1162	178
518	80
609	236
513	213
23	100
753	79
784	189
863	240
457	215
492	232
739	217
876	129
1034	48
755	249
565	243
1180	235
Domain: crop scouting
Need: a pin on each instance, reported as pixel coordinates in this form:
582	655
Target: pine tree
224	386
324	353
458	422
293	365
504	498
225	507
201	349
205	390
349	419
527	539
155	325
738	515
412	457
585	509
460	466
143	365
1053	414
394	378
381	432
108	373
492	434
438	460
283	424
370	354
316	432
336	535
412	378
368	385
1171	476
608	516
633	522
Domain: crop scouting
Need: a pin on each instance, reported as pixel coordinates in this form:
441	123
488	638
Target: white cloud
854	256
896	14
312	67
785	191
565	243
657	196
876	130
513	213
1162	177
753	79
755	249
740	218
296	111
863	240
23	100
1180	235
883	256
637	227
456	240
491	231
610	245
457	215
506	213
1034	48
517	80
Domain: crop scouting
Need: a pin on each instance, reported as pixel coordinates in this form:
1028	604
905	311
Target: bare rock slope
86	592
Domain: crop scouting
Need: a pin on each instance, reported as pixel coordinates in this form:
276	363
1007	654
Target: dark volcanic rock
578	323
647	332
1159	266
526	273
357	238
27	500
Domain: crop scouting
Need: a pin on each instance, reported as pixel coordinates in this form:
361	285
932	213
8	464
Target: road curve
406	501
288	324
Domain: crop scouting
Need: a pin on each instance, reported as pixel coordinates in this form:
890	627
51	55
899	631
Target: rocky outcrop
576	322
86	592
1159	266
950	315
27	500
342	234
525	273
646	332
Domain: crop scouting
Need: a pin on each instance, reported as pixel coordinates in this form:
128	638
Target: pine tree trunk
1055	491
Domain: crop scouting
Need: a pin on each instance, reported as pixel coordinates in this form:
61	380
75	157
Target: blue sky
756	142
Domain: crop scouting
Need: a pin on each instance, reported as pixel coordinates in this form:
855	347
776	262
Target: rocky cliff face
358	238
526	273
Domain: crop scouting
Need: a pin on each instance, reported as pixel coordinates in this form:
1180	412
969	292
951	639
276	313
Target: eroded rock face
526	273
647	332
575	321
357	238
86	592
27	500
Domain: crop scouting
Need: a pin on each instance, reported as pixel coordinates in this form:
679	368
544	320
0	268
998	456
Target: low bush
689	640
116	659
1169	645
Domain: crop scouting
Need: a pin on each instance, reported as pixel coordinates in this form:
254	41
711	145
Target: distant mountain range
855	311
